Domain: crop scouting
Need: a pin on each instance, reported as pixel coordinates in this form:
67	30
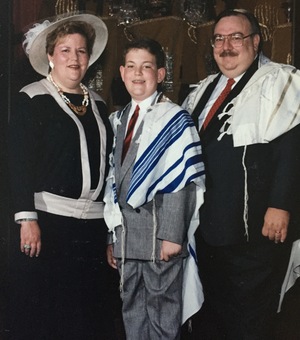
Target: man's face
233	61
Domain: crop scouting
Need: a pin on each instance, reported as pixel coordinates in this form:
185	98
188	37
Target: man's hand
276	224
169	249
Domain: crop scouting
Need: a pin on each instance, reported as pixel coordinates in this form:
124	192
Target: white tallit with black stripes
267	107
272	100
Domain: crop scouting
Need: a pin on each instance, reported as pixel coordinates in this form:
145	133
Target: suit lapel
119	144
203	100
122	169
131	154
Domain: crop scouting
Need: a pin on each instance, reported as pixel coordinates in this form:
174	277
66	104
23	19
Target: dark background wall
5	64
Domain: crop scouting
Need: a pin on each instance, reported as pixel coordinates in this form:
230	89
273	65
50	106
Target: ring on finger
27	246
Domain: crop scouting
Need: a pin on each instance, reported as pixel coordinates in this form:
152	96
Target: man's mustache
227	53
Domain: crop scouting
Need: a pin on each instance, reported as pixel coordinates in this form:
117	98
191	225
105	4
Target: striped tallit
168	159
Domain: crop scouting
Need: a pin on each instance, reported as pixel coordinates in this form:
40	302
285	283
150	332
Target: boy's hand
169	249
110	258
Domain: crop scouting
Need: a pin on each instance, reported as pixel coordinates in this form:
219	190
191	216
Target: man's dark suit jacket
273	179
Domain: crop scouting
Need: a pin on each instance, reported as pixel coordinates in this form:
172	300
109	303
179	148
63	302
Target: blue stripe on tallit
114	188
170	133
175	183
193	253
156	150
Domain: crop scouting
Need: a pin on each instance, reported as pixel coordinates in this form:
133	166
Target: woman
60	139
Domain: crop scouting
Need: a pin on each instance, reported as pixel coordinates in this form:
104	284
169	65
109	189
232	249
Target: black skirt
69	291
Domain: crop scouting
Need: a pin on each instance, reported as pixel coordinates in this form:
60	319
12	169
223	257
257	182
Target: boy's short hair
151	45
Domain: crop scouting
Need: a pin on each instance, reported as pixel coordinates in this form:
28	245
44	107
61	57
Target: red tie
218	102
129	133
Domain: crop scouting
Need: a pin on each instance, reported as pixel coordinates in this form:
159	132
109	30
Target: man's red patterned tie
218	102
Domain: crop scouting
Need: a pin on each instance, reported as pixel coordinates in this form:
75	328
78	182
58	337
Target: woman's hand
169	249
30	235
110	258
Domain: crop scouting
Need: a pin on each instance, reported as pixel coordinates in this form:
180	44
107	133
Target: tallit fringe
154	230
246	197
123	237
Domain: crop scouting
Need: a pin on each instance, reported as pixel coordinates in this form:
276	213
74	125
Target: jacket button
138	210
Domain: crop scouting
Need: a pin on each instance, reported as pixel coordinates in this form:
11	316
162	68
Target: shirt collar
145	103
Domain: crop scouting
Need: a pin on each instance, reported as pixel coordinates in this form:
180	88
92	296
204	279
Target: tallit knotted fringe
246	196
123	237
154	230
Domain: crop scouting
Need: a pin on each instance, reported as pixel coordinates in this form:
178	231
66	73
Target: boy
153	194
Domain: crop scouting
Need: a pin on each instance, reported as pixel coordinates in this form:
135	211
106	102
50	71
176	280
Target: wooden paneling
25	12
296	34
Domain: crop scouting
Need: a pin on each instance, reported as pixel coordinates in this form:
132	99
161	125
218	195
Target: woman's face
70	59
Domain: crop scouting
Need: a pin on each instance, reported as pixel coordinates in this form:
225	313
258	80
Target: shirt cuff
26	216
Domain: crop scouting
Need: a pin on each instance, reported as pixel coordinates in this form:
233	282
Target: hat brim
37	55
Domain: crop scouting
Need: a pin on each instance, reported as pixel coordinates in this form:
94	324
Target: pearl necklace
81	109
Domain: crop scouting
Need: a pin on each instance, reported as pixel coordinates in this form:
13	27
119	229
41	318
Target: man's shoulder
274	67
273	74
197	90
210	78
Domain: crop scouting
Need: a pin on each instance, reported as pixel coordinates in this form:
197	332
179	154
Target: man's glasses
235	39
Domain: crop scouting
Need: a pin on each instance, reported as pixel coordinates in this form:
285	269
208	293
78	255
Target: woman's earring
51	65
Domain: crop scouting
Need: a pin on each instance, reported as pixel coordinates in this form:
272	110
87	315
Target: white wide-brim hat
34	43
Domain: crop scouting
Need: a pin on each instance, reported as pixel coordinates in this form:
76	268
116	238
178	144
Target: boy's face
140	74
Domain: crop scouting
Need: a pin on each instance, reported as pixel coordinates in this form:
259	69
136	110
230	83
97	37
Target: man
251	150
152	205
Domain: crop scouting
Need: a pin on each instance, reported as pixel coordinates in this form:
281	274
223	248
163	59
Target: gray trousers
152	299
